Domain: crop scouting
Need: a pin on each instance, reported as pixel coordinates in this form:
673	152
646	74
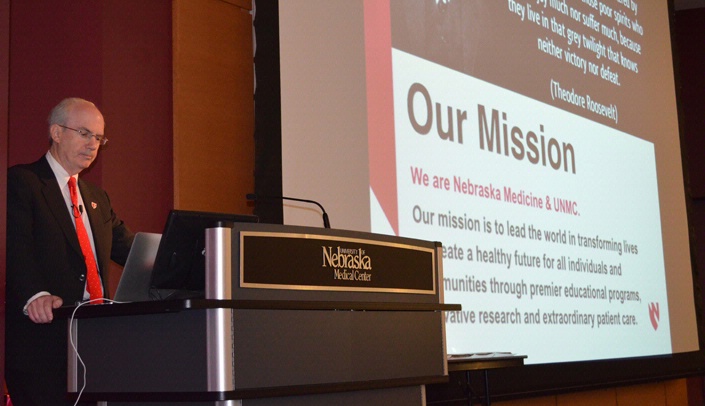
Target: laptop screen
136	275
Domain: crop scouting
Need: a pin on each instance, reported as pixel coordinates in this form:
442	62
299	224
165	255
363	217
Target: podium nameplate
298	261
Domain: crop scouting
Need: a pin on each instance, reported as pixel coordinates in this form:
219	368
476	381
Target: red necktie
94	288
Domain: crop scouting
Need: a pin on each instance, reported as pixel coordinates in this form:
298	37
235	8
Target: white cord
73	343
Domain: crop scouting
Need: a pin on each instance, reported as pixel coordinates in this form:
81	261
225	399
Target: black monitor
179	267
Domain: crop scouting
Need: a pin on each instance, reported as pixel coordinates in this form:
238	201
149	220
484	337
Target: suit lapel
56	203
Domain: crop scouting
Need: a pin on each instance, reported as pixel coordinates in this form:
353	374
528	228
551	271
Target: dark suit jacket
43	254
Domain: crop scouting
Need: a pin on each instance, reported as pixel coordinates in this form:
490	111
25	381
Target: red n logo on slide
654	314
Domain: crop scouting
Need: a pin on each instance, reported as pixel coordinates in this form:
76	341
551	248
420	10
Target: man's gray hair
60	113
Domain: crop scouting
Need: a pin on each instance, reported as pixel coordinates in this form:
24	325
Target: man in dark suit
46	266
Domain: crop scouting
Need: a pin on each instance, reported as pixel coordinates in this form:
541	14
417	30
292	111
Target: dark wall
690	59
689	37
4	72
55	51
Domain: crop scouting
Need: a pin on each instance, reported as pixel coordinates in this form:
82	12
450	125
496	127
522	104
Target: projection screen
537	140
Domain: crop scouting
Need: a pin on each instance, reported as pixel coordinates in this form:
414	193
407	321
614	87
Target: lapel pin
94	205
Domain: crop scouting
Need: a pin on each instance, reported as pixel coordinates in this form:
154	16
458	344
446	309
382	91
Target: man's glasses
87	135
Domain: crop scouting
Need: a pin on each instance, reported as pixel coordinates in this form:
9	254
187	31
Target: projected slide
550	222
536	140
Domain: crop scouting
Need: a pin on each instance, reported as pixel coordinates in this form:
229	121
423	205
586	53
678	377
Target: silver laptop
137	273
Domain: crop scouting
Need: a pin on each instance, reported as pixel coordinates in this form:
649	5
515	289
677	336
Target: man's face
74	152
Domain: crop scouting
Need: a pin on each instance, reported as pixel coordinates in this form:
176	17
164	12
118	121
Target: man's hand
41	309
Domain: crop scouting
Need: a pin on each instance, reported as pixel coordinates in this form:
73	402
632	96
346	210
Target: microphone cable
72	341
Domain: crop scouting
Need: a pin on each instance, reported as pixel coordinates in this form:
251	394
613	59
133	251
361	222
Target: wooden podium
291	316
